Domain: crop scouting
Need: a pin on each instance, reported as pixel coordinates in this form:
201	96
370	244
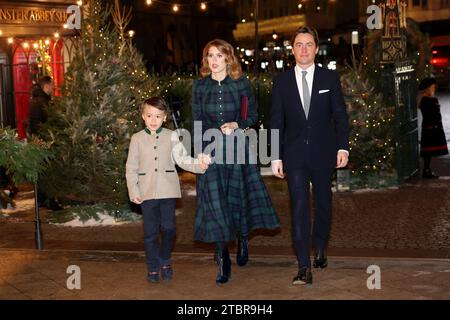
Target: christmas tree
371	125
90	125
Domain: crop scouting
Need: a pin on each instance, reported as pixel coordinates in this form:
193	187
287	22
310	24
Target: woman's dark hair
157	102
308	30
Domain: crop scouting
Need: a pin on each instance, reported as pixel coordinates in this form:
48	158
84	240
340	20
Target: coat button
157	137
156	170
156	158
154	147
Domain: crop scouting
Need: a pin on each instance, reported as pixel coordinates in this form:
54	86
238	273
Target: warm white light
149	2
243	20
26	45
300	6
203	6
175	8
10	40
56	35
79	3
318	8
275	36
65	26
1	32
355	38
131	33
35	45
47	42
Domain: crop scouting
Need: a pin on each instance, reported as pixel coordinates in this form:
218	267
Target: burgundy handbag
244	107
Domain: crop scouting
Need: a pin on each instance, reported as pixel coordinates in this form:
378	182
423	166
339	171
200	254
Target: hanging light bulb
131	33
56	35
35	45
79	3
10	40
175	8
47	42
1	32
26	45
203	6
149	2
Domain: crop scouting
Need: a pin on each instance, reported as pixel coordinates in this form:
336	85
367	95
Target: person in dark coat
40	98
232	199
433	142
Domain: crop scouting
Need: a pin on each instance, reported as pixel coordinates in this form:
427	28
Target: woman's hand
137	200
229	127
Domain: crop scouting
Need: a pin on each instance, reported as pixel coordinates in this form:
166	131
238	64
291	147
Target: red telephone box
25	70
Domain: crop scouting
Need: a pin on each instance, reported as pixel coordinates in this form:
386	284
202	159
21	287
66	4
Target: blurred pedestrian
433	142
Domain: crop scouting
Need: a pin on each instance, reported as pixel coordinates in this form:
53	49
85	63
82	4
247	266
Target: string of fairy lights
176	7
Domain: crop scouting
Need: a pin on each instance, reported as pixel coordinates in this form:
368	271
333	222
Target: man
309	110
40	97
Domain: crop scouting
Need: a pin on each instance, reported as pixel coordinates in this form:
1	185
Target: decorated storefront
35	41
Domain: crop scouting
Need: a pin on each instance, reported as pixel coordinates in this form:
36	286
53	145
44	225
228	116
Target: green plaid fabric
231	198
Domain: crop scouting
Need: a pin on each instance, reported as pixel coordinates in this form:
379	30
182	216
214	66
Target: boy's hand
204	161
137	200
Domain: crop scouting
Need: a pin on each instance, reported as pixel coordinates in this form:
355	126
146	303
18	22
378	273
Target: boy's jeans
159	215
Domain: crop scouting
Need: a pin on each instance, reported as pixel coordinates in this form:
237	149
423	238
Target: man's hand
229	127
342	159
137	200
277	169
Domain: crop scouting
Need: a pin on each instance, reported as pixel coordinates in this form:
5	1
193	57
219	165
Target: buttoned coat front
150	167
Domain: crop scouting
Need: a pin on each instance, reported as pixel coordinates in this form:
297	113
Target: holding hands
204	161
229	127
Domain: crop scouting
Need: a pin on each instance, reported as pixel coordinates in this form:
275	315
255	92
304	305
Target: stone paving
28	274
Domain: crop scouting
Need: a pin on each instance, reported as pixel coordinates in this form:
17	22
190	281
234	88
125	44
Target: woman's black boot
242	251
224	263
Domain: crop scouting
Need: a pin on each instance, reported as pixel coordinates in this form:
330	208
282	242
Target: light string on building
177	7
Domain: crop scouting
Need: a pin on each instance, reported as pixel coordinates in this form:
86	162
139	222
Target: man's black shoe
304	276
320	259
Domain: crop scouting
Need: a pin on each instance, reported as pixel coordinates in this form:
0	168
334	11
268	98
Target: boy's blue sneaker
153	277
167	272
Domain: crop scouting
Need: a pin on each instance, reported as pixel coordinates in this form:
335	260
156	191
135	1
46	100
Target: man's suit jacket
150	167
311	142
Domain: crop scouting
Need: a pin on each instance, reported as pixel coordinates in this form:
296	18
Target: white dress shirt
309	79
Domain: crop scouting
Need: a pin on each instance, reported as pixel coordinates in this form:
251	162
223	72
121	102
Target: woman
231	198
433	141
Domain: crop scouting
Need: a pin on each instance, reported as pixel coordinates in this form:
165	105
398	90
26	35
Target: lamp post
256	8
38	238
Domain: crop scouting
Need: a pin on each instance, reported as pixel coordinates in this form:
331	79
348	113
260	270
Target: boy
153	183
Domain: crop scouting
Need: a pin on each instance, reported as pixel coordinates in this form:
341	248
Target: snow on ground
104	220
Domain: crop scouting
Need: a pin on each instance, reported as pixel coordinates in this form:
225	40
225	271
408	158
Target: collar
310	69
225	80
147	130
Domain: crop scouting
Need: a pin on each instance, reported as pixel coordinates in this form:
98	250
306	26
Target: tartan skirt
232	199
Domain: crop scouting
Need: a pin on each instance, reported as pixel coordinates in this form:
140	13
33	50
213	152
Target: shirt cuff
276	161
348	153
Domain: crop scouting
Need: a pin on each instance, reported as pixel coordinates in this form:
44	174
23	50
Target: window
420	3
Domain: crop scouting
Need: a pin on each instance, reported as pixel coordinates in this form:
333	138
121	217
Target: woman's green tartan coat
231	198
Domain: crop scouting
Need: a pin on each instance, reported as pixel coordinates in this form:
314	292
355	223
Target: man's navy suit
308	148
